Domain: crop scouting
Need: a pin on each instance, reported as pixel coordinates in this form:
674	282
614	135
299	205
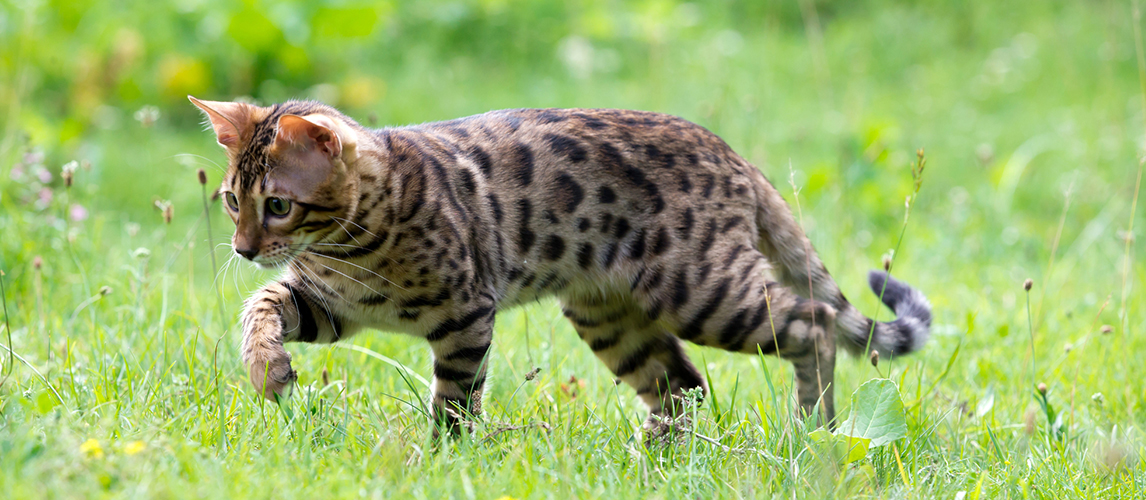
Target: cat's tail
799	268
908	332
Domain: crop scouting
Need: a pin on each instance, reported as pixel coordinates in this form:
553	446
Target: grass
1032	119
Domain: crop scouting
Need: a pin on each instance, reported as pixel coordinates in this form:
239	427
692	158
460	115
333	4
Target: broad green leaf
821	435
877	414
856	448
848	449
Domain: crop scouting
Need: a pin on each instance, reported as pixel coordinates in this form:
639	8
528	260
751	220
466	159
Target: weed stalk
7	330
808	267
202	174
917	183
1030	328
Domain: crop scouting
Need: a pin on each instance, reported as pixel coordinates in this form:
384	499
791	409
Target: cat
648	229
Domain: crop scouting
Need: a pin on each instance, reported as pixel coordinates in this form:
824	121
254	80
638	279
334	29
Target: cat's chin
272	265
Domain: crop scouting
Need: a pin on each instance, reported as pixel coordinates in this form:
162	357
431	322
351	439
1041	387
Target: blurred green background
1018	98
1031	114
1015	102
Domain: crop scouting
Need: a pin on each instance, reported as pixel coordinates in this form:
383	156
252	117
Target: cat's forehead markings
253	164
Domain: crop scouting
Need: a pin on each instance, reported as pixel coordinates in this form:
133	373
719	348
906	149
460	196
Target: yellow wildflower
134	447
92	448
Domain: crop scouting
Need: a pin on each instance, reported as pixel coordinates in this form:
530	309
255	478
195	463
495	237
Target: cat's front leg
278	313
461	350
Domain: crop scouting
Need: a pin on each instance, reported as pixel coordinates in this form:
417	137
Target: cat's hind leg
639	352
734	308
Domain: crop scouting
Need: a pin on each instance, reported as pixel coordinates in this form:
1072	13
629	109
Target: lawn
124	380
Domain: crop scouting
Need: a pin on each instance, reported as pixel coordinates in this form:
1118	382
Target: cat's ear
318	133
231	120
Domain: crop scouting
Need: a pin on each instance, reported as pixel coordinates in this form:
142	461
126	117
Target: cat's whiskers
347	246
228	266
351	278
309	284
367	231
222	271
344	261
201	157
297	325
335	245
318	281
336	221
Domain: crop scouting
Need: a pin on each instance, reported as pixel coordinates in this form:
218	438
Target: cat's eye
278	206
232	201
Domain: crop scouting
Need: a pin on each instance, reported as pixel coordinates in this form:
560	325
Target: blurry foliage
87	54
845	91
83	58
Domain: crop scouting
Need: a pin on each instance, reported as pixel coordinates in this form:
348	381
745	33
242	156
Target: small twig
506	428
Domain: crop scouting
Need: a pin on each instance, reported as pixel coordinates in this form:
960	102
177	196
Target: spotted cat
647	228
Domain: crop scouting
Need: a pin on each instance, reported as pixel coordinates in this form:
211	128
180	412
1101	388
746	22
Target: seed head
532	374
202	177
325	374
105	291
1042	388
1098	398
874	358
1106	329
68	173
1028	284
37	263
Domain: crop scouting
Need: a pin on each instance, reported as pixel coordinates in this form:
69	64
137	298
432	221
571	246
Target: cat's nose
248	253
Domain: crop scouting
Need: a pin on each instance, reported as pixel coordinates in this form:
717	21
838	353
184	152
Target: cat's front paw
271	374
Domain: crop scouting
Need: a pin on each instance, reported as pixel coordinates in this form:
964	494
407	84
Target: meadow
119	367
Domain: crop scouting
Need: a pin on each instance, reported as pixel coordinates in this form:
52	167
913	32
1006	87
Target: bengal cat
647	228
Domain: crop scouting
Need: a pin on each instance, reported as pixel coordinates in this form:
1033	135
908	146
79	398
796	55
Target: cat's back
516	146
592	124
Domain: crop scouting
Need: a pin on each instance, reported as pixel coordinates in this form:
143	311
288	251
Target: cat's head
288	178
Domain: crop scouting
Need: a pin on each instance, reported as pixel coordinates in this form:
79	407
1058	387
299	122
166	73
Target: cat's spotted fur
648	229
